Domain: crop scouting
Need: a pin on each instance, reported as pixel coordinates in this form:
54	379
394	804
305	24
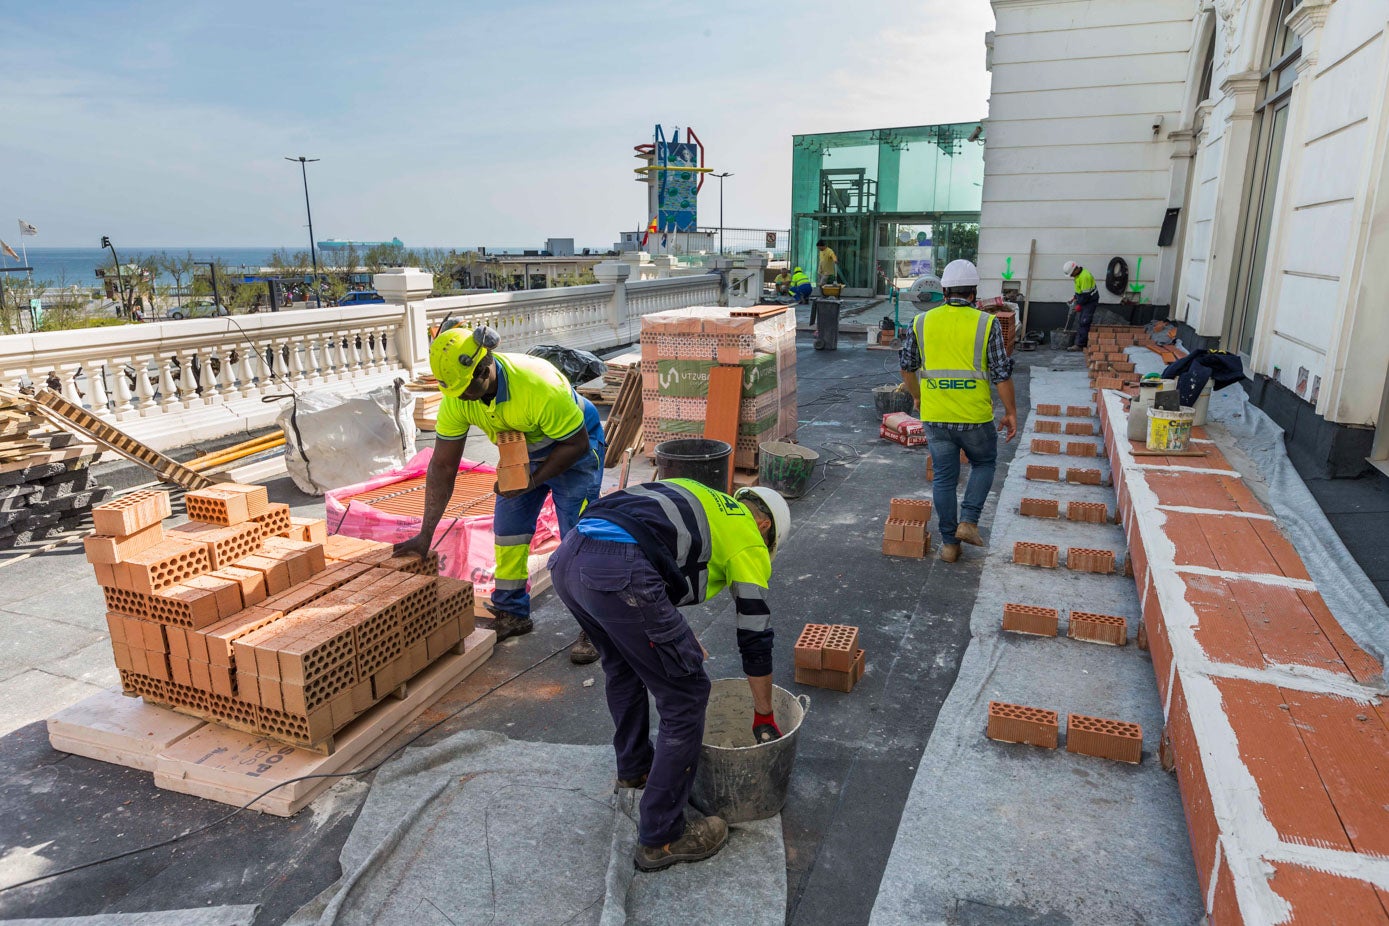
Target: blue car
363	297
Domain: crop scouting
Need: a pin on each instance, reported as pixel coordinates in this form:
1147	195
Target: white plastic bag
334	440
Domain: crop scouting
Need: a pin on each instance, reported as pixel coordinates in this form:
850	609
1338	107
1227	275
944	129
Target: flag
26	229
653	227
9	251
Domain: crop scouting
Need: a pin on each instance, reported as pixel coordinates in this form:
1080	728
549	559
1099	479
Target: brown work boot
949	552
636	783
583	651
703	839
969	533
507	624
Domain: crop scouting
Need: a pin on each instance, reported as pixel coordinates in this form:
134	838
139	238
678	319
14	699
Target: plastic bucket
786	467
738	778
1169	430
1202	405
696	458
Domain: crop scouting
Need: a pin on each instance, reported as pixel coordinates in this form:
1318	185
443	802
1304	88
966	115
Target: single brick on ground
1046	555
1040	507
1105	739
1017	723
1098	628
1030	619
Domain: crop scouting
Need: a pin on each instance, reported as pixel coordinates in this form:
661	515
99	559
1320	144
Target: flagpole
24	249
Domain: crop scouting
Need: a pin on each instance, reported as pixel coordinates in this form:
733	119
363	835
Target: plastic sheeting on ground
479	829
333	439
242	915
464	544
1003	833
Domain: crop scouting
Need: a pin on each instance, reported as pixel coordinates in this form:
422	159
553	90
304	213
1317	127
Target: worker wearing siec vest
951	356
1085	301
511	392
635	557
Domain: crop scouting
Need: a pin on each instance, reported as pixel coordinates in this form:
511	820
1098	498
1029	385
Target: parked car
361	297
198	310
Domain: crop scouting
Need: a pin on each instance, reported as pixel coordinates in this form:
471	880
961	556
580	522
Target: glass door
906	249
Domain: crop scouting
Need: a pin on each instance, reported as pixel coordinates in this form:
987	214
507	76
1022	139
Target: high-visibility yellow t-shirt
533	397
828	259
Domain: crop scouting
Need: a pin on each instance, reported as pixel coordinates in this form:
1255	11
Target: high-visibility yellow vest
953	342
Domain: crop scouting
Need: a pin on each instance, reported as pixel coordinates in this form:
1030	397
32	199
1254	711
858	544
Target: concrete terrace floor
858	753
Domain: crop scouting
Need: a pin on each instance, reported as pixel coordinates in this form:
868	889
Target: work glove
764	728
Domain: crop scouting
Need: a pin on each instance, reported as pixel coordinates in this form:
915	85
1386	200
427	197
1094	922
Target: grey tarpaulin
480	829
241	915
998	833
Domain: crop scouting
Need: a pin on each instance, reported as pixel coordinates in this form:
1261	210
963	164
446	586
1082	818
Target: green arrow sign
1008	268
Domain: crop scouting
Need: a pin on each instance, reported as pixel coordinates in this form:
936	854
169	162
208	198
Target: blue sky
453	123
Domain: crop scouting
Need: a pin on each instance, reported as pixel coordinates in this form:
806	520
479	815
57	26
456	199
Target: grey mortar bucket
740	779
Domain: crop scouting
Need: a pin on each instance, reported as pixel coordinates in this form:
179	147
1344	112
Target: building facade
1238	148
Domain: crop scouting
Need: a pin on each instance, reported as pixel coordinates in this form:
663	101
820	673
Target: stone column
617	273
408	287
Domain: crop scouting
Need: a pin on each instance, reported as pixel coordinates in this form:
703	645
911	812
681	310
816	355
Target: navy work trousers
646	645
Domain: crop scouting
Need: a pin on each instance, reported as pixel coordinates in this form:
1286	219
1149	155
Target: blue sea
78	265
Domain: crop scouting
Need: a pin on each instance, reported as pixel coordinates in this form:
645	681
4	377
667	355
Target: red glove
764	728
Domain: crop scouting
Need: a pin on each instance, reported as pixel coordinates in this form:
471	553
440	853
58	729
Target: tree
177	268
963	243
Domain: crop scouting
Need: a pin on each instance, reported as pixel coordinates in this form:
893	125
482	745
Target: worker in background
511	392
952	354
801	286
829	263
635	557
1086	299
783	283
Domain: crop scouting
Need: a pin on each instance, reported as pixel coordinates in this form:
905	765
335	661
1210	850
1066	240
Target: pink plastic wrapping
464	544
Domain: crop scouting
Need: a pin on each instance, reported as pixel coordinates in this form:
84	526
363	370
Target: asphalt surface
857	752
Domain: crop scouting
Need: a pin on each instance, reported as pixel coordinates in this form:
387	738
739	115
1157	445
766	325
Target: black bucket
703	460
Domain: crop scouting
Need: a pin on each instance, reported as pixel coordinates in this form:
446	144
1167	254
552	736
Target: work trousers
802	293
981	449
513	521
1085	317
646	645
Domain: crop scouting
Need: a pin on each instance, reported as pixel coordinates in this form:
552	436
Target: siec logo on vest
952	384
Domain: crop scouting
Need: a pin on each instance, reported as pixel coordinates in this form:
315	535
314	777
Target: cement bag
464	545
334	440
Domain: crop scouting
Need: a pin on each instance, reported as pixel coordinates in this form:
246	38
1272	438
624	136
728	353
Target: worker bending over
783	283
1085	301
512	392
636	556
801	286
952	354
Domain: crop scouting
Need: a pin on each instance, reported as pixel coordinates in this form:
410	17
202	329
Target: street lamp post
120	278
313	253
720	179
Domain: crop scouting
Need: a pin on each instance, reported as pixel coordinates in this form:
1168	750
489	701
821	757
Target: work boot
508	624
703	839
949	552
583	651
969	533
637	783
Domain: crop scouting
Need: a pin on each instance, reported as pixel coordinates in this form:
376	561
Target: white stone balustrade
177	383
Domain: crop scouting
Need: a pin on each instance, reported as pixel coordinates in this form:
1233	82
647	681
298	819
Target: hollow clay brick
1079	411
841	644
1043	473
217	506
1088	512
1085	477
1078	448
250	581
310	530
1032	619
274	521
257	499
135	511
162	565
124	601
807	654
907	548
1036	554
832	680
1016	723
111	548
910	509
1040	507
1052	410
1082	559
1098	628
274	571
1080	428
225	545
1046	426
1045	446
1105	739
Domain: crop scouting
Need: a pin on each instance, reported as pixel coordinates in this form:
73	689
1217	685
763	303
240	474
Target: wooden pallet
759	312
624	427
212	762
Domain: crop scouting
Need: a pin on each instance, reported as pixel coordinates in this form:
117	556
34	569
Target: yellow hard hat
455	354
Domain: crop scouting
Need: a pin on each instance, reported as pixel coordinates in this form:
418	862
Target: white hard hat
959	273
781	512
1069	267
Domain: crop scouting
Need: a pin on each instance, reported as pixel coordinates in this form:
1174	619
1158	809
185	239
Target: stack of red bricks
828	656
905	533
1110	367
513	465
255	619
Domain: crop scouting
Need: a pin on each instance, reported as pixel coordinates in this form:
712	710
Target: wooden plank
111	727
725	397
758	312
624	421
230	767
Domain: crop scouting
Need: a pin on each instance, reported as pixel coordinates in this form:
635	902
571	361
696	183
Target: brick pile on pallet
47	488
254	619
828	656
680	348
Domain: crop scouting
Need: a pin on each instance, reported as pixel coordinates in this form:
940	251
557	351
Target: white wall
1071	157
